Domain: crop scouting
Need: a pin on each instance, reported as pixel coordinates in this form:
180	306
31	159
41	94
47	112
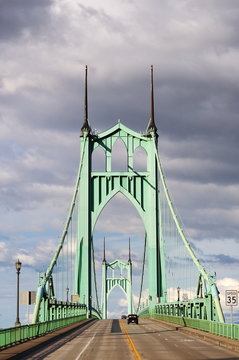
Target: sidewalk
15	351
222	341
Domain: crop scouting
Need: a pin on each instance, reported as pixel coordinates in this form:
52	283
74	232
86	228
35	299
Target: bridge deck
105	339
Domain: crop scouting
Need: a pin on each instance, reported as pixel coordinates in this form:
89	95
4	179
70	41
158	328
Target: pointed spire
104	260
151	125
129	252
86	127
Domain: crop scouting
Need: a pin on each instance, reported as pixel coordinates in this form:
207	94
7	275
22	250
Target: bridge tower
140	187
147	191
110	282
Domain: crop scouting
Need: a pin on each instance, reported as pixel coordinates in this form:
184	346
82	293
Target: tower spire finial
129	252
86	127
151	125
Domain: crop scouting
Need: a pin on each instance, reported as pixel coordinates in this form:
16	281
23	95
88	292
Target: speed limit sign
231	297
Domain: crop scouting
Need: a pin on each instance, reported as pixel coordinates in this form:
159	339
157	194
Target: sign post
28	298
231	297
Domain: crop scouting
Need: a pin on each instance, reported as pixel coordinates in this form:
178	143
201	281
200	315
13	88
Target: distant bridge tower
110	282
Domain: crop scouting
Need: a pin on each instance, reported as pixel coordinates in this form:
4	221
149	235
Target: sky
44	47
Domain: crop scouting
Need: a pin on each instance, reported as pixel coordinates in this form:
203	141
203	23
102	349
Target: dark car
123	317
133	318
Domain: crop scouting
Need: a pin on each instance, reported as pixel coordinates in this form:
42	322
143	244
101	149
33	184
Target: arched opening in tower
119	221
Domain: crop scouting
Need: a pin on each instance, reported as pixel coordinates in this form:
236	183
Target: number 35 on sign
231	297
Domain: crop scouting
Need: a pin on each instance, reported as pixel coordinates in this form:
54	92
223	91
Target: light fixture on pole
18	265
200	288
178	289
67	294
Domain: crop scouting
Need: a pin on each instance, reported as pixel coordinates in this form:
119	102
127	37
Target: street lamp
18	268
200	288
178	289
67	294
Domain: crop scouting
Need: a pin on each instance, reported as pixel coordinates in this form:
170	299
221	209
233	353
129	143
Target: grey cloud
225	259
204	171
221	259
194	49
16	16
103	18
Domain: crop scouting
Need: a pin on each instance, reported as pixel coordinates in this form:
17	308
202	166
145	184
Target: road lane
150	340
155	341
97	342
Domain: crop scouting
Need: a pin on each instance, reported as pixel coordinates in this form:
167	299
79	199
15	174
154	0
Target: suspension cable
67	267
59	248
201	268
71	266
94	274
49	270
180	230
142	273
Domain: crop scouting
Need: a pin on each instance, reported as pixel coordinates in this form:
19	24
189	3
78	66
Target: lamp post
200	288
178	306
178	289
67	294
18	268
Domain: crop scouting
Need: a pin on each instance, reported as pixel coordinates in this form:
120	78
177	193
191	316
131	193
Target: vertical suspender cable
208	279
94	273
71	250
67	265
40	290
142	273
62	273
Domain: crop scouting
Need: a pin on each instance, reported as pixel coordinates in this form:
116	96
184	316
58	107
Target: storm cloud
194	47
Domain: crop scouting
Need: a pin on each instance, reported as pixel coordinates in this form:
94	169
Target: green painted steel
123	282
96	189
52	309
93	190
26	332
95	314
197	308
230	331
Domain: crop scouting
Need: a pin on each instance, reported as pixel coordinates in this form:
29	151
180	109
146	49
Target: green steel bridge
179	288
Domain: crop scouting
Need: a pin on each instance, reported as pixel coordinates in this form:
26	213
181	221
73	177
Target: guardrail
230	331
22	333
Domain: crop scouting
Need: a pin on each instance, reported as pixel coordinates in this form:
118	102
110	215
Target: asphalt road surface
115	339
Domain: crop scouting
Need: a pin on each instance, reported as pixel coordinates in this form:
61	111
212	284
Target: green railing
15	335
230	331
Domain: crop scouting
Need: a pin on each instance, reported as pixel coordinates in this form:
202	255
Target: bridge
180	292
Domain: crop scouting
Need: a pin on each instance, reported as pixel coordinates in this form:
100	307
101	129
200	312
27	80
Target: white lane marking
184	340
86	346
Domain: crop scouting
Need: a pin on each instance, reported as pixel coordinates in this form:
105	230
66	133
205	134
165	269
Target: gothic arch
119	156
128	196
140	159
98	159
